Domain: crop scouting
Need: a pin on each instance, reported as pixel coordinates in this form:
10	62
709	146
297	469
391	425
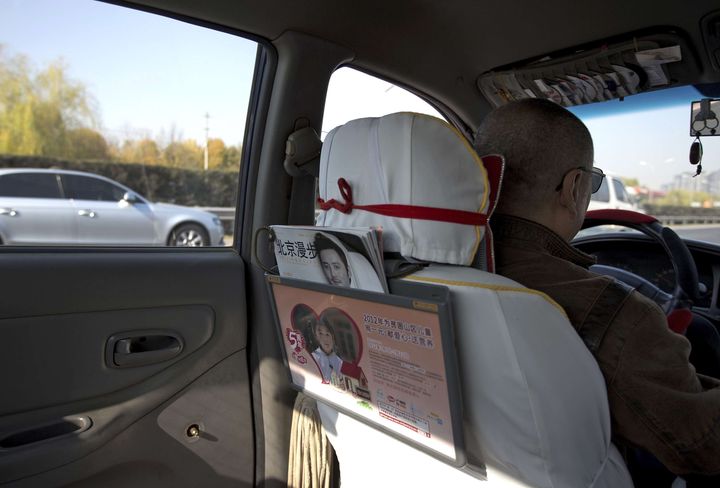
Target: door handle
11	212
44	432
87	213
143	349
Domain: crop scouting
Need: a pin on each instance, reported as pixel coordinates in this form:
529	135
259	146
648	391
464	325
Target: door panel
114	223
83	338
103	217
55	328
37	220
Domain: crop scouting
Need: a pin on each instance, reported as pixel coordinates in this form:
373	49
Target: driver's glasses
596	175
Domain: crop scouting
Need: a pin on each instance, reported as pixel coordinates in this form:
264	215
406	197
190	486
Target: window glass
353	94
88	188
603	194
620	191
29	185
152	103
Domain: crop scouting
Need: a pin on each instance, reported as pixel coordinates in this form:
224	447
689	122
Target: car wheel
189	235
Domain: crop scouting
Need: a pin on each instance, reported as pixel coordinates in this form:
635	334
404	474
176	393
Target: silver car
48	206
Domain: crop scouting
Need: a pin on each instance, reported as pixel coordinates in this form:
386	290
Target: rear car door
33	210
128	366
103	217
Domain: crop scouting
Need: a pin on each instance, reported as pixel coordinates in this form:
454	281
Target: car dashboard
640	255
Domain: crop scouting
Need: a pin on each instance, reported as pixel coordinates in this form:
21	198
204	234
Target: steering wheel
686	274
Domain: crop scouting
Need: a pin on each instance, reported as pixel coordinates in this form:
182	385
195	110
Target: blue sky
647	136
149	74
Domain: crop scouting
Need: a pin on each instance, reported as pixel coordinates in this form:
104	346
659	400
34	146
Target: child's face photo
325	339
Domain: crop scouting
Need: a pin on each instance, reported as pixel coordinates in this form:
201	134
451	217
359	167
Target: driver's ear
570	192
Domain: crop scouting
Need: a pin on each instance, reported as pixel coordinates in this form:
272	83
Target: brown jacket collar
536	236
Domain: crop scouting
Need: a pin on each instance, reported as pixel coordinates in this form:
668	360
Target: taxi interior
230	382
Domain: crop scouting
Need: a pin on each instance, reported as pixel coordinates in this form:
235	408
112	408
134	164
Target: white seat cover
535	404
409	159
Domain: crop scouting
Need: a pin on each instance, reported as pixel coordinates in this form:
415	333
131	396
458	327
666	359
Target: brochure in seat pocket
346	257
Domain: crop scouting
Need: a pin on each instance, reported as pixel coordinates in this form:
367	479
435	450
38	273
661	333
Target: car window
161	111
644	140
620	193
88	188
29	185
353	94
603	194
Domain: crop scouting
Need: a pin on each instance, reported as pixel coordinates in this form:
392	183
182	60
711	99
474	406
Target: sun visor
596	72
415	177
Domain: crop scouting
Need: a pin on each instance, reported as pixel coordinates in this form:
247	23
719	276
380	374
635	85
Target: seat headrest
413	175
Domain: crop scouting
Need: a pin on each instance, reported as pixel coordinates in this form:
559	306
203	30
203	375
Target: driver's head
548	155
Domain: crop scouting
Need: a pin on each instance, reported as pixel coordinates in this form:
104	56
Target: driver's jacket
657	401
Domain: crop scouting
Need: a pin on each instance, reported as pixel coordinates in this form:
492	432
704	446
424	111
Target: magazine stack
347	257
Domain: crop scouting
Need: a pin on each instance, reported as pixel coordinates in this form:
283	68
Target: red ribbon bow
402	211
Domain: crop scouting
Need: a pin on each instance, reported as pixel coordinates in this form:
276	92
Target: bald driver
658	402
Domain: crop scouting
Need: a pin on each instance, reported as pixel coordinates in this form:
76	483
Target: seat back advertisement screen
382	363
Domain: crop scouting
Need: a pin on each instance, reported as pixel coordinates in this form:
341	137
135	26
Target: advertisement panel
385	359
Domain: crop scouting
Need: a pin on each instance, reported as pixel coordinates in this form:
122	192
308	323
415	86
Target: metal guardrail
688	219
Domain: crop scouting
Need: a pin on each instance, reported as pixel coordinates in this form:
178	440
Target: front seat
534	400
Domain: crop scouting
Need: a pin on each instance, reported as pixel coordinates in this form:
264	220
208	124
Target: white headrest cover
407	159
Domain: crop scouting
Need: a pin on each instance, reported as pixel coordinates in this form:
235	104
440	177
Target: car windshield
642	143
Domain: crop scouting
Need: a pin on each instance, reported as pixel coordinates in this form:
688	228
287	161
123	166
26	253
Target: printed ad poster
382	362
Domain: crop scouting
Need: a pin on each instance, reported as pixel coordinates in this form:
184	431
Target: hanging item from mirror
704	118
696	152
703	122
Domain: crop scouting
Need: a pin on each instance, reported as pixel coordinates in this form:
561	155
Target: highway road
709	233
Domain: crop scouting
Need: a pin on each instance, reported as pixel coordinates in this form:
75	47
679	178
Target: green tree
231	159
145	151
216	153
684	198
39	110
84	143
630	181
184	154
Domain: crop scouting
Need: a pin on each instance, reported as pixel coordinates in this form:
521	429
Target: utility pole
207	140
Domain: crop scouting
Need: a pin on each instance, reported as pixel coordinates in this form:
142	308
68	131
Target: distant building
705	182
714	183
